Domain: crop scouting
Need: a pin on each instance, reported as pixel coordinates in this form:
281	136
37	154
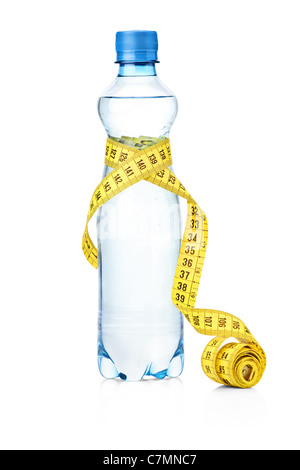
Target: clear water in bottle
140	331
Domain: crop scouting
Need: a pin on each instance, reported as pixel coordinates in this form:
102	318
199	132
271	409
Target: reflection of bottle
140	330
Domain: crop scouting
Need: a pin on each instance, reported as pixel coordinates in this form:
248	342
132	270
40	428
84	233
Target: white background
234	66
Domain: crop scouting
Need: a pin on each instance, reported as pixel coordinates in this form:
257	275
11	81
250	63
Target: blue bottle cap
136	46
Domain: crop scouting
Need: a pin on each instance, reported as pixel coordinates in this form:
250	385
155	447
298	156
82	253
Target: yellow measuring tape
238	364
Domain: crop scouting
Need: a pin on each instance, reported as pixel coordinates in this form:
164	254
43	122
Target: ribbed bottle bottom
159	368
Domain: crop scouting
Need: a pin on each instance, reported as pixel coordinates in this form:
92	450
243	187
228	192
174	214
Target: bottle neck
146	69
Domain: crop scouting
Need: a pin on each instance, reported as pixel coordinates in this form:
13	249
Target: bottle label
238	364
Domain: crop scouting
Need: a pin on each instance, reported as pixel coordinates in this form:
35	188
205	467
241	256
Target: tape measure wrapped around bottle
238	364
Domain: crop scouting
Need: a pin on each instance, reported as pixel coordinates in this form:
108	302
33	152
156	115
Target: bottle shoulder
140	86
139	105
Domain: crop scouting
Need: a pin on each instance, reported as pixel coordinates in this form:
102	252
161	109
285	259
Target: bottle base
108	368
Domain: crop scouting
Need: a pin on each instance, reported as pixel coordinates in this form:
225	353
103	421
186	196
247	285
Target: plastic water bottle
140	331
